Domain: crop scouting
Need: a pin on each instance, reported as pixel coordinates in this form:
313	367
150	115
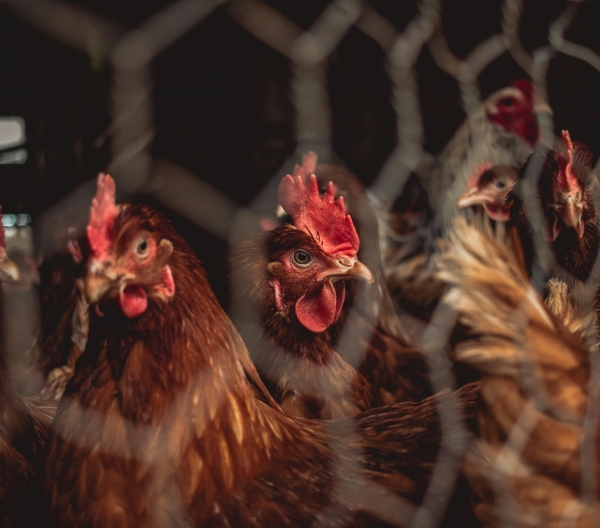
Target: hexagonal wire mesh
131	54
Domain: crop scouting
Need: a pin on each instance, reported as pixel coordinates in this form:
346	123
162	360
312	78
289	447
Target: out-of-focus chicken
294	280
566	189
160	427
501	133
536	457
22	438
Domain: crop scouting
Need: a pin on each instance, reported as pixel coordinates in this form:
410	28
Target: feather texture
160	426
527	466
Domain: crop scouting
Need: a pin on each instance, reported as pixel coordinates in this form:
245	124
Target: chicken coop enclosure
199	108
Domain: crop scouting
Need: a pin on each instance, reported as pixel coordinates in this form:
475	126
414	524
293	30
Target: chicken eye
143	247
302	258
500	184
507	101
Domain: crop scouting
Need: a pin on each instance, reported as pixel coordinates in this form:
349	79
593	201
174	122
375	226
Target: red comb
102	215
567	180
2	234
322	217
524	86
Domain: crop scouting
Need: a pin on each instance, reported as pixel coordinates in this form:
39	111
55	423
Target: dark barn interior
222	107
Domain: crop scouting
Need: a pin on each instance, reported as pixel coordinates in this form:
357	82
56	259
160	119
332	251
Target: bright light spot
23	220
10	232
12	134
13	157
9	220
12	131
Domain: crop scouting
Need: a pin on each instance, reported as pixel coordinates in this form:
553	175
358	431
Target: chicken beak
99	283
346	270
96	287
571	216
474	197
9	271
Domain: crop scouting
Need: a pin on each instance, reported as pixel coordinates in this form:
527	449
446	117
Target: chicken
159	425
566	188
22	438
294	278
501	133
488	187
373	340
538	447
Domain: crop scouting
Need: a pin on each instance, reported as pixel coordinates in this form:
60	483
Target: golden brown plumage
527	466
160	426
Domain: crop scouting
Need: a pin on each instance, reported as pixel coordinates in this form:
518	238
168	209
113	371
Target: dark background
222	104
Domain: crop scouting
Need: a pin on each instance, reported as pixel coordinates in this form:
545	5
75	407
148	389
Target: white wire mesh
132	54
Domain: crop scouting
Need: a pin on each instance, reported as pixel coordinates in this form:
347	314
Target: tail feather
516	334
527	466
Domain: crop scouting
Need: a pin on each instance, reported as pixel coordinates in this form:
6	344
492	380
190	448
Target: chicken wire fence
132	53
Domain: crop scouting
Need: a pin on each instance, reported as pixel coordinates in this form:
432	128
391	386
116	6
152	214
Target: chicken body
535	452
159	425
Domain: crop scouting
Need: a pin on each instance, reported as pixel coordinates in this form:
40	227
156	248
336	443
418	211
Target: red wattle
496	212
320	308
340	290
133	301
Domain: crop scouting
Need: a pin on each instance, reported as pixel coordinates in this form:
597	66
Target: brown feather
158	396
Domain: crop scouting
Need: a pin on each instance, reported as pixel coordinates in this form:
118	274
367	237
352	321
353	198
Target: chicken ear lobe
166	288
318	309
